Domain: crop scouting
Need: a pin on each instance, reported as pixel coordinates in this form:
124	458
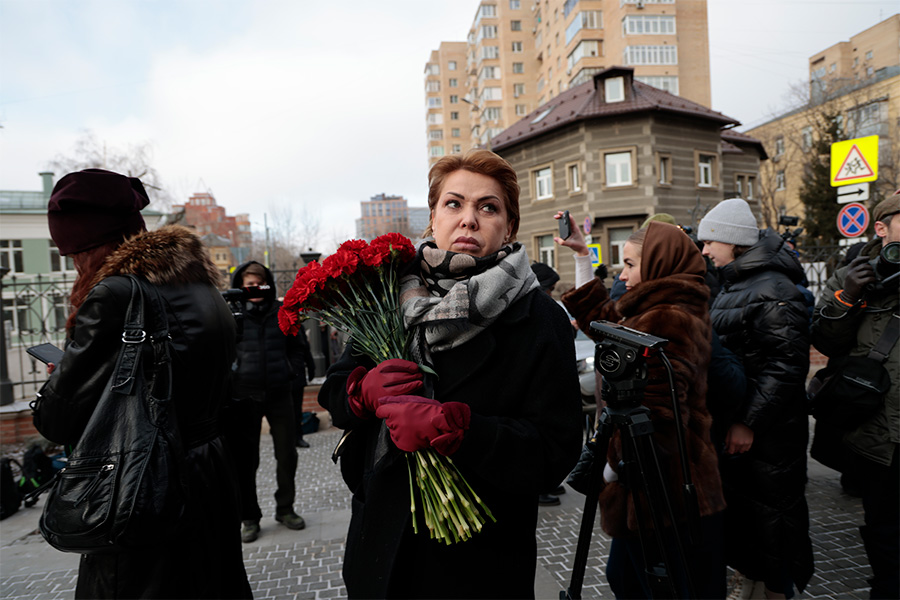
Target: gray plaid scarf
455	296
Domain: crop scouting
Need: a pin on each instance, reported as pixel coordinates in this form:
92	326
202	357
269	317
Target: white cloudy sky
271	102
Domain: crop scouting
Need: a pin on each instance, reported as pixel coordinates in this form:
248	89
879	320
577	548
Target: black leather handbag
124	486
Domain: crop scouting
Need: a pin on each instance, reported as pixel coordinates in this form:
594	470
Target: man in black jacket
262	387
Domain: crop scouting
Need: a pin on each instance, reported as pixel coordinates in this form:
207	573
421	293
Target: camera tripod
639	470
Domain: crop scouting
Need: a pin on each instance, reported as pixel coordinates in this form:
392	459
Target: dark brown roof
585	102
733	137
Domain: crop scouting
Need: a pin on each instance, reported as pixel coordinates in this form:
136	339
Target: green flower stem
412	496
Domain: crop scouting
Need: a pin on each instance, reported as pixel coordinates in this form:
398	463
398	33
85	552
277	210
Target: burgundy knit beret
93	207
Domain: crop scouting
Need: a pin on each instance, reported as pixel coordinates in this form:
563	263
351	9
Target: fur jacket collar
169	255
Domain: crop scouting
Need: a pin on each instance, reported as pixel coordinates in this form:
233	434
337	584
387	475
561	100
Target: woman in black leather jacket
760	315
91	214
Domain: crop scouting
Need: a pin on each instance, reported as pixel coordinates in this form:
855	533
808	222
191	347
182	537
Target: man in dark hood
263	373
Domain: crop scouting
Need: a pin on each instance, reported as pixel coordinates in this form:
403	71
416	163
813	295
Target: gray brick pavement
306	564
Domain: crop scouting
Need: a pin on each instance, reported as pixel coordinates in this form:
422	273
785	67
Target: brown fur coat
673	307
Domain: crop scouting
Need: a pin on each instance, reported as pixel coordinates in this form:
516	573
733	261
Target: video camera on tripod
621	358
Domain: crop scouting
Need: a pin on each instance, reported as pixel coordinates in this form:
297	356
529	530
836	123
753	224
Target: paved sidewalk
307	564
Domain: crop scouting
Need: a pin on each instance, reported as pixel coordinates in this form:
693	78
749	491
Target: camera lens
891	253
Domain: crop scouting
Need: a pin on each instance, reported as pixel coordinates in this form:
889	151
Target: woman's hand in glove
416	423
393	377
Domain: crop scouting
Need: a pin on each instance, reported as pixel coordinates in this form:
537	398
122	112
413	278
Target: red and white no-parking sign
853	220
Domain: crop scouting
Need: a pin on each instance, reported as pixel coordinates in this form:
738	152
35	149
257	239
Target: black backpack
37	469
10	499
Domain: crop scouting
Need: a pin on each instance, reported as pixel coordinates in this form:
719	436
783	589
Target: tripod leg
601	444
653	483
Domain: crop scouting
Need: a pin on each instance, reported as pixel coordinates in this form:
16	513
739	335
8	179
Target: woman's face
719	252
631	273
470	215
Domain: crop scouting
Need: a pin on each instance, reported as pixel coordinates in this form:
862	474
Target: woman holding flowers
503	402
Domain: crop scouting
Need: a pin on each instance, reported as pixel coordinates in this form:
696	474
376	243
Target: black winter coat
205	561
266	358
760	315
519	378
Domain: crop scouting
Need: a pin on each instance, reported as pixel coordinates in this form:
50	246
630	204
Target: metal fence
35	309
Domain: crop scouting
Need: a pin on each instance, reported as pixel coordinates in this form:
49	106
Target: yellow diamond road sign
854	161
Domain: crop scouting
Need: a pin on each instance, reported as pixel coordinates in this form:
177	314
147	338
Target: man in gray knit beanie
730	223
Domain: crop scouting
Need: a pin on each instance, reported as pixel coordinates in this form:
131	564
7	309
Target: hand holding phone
46	353
565	225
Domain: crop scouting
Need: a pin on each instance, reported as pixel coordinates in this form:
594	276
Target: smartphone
565	225
46	353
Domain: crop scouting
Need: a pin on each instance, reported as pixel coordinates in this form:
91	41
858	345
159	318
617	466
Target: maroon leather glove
417	423
393	377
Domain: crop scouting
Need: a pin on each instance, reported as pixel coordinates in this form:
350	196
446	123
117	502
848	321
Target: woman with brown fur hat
94	216
666	297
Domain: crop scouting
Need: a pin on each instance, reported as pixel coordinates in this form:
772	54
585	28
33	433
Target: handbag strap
886	342
134	332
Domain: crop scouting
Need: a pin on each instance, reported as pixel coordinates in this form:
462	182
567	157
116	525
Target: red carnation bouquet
357	290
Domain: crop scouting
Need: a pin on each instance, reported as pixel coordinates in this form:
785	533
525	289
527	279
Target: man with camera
856	323
263	373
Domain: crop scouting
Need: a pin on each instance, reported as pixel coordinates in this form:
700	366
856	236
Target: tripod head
621	359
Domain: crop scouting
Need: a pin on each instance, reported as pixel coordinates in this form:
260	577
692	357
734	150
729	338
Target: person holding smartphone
666	297
94	217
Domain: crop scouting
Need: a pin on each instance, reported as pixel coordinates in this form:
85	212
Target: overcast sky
266	103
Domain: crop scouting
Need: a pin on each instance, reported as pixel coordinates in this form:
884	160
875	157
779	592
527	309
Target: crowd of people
492	384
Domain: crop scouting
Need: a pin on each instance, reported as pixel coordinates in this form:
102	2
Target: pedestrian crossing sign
596	256
854	161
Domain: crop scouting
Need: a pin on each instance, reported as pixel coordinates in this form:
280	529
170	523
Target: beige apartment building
856	84
520	54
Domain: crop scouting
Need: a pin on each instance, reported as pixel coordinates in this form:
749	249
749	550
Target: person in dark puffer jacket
760	315
263	374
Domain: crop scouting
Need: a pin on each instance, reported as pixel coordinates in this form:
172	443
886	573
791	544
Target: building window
11	255
514	4
651	55
488	31
807	138
521	110
584	48
832	68
16	311
664	169
452	83
869	55
434	102
518	90
617	168
435	118
648	25
870	71
543	183
492	93
617	238
780	181
457	148
573	178
489	52
488	10
451	66
436	151
668	83
779	146
59	263
436	134
454	99
518	67
454	116
546	249
706	169
586	19
517	47
432	69
744	185
454	132
614	89
432	86
515	25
